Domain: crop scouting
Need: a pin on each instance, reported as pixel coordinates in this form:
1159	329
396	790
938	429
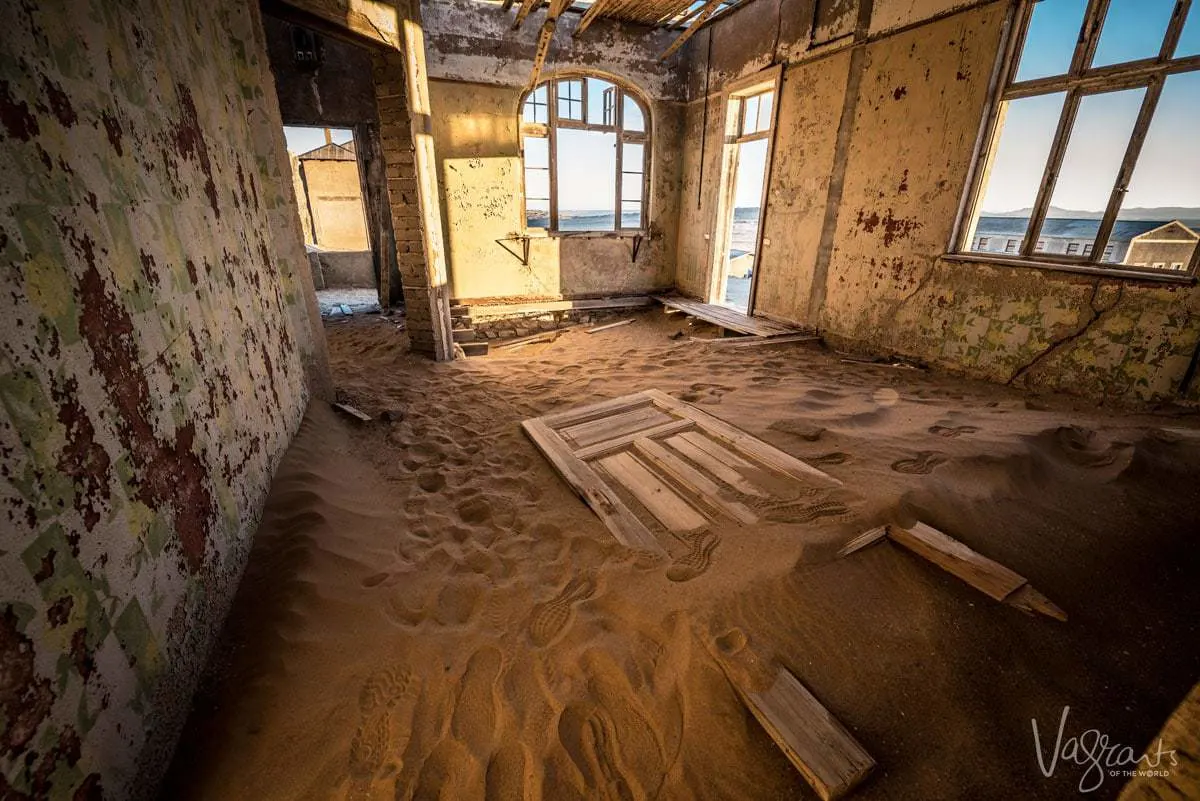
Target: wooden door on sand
684	467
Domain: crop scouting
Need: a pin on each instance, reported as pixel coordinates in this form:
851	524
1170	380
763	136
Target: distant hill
1164	213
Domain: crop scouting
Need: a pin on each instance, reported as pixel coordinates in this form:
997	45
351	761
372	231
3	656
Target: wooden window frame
549	130
1081	80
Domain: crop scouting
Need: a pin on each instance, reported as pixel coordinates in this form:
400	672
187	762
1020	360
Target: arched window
586	146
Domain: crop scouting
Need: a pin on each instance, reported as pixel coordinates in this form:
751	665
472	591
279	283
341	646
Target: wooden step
461	335
475	348
459	310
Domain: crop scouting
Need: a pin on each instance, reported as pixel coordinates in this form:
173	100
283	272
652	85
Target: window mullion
552	137
1174	30
1125	174
1058	150
619	125
1089	37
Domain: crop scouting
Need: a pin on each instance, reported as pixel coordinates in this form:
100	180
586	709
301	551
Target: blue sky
303	139
1168	171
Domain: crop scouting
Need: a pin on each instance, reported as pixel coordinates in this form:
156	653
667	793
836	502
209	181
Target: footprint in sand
731	642
705	393
431	481
807	513
951	432
589	737
698	558
372	746
921	464
475	718
798	428
550	618
837	457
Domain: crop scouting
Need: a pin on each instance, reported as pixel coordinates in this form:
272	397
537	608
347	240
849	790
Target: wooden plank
606	428
532	339
606	327
624	525
617	443
715	466
593	411
350	411
825	753
991	578
590	15
709	8
863	540
762	341
725	317
500	310
706	490
719	452
743	442
658	498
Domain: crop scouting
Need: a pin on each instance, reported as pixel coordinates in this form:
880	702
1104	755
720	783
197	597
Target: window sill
1083	268
543	233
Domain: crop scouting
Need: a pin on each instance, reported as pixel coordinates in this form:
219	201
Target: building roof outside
330	152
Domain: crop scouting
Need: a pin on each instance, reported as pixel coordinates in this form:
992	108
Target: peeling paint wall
160	341
874	144
478	68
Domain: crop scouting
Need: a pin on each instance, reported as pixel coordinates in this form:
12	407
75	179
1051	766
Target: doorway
750	121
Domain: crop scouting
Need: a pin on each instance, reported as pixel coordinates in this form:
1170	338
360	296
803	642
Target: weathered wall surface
334	91
336	203
156	329
480	68
874	143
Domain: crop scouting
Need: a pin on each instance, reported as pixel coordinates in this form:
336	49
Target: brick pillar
400	82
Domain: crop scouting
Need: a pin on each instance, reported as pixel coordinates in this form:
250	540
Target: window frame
1080	81
547	131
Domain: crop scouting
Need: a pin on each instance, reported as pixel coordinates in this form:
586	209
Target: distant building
1172	242
330	191
1168	247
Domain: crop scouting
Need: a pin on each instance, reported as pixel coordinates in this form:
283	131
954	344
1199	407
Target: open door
745	170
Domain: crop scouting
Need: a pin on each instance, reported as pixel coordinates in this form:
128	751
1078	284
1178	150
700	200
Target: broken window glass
1011	183
1091	163
1133	30
1162	203
1051	38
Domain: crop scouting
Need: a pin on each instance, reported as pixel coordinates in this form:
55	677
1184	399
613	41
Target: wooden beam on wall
526	7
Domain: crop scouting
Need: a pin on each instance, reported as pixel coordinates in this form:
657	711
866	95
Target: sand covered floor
430	612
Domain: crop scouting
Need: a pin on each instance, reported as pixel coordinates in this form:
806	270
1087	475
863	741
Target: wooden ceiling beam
681	40
523	12
589	16
557	7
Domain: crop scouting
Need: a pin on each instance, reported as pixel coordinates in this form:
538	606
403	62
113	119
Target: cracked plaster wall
159	346
922	91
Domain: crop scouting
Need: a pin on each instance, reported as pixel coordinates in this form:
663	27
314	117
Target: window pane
536	109
1051	38
1011	185
1163	201
631	186
632	157
1189	42
570	100
764	111
1090	165
537	213
601	96
750	114
537	183
633	120
631	215
537	151
587	180
1133	29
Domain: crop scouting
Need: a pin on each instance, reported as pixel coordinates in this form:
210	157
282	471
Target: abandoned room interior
589	399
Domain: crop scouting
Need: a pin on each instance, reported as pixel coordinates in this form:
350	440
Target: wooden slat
658	498
523	12
715	466
863	540
725	317
827	755
743	442
624	525
606	428
624	441
719	452
680	40
990	578
707	491
594	411
600	328
591	14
